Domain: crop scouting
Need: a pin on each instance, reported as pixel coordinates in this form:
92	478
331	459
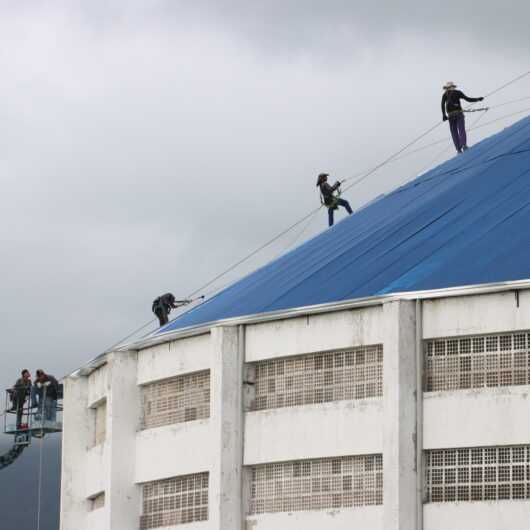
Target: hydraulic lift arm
8	458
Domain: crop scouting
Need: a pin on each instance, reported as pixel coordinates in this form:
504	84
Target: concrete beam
123	496
74	445
399	396
226	511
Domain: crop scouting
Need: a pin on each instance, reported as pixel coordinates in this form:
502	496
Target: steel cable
362	177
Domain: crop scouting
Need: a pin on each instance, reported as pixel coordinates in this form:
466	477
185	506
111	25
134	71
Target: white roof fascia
447	292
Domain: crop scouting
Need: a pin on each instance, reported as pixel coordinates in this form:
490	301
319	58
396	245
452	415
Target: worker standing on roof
163	305
331	201
452	111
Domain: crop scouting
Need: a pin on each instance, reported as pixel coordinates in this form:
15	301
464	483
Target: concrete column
225	506
74	445
123	497
399	396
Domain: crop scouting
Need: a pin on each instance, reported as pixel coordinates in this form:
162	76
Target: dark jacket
451	101
327	192
166	302
52	390
20	390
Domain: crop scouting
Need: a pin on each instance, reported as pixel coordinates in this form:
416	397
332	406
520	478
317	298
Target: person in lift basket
47	391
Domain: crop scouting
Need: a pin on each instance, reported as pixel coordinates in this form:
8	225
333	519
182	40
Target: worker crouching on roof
163	305
331	201
452	111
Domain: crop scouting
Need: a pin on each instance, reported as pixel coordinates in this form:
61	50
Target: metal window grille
97	502
319	378
177	400
317	484
478	474
178	500
477	362
100	423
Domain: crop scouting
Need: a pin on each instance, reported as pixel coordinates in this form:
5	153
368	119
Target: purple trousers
457	125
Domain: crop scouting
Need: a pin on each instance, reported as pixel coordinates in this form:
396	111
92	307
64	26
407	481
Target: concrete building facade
397	412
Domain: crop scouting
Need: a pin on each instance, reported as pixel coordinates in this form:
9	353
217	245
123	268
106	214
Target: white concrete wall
122	496
361	518
98	385
107	467
230	439
470	418
226	473
294	336
97	469
341	428
498	515
399	416
74	464
200	525
97	519
467	315
172	450
174	358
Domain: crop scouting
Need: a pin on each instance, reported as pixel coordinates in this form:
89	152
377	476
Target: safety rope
472	128
362	177
256	251
511	82
444	150
526	98
300	233
152	321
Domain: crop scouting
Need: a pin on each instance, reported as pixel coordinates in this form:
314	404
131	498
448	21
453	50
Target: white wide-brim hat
449	84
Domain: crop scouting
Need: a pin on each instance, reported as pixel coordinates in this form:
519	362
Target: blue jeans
340	202
34	393
46	406
50	409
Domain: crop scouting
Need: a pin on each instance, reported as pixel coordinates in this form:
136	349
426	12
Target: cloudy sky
146	145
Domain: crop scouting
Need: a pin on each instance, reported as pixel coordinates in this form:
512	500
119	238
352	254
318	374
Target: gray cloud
339	26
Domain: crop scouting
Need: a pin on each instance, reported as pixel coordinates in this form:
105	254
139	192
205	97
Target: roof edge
192	331
465	290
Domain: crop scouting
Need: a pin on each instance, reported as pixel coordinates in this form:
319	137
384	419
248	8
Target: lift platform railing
28	413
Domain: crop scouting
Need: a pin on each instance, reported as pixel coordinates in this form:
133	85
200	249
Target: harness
454	113
333	200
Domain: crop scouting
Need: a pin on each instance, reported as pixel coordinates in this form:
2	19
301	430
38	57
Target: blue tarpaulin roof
465	222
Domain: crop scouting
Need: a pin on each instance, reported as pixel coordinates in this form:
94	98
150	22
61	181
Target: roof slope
465	222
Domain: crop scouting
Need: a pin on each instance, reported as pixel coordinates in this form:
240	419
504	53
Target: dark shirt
327	191
21	388
451	101
166	302
52	390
